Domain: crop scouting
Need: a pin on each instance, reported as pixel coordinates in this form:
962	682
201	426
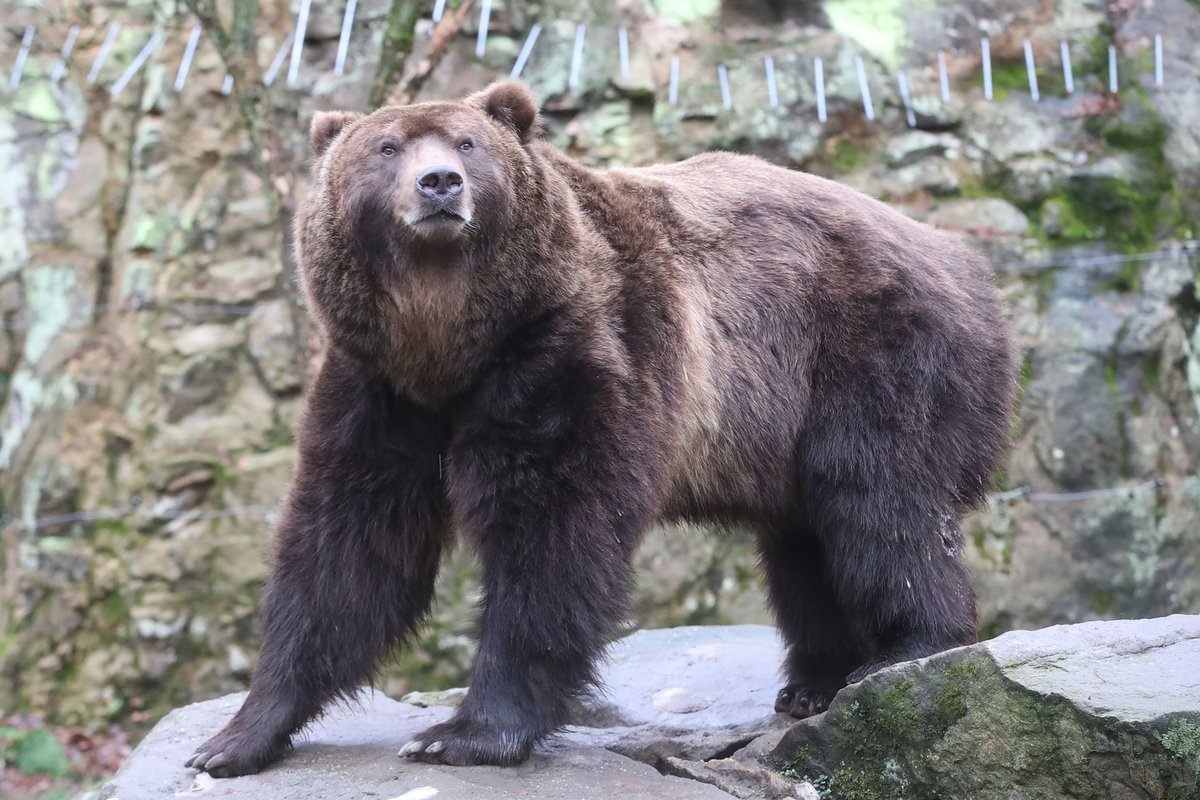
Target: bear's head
424	226
415	180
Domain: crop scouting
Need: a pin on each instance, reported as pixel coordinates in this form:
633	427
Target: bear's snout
440	207
440	184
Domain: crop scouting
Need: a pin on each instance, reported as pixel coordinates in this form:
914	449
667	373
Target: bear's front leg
356	553
554	489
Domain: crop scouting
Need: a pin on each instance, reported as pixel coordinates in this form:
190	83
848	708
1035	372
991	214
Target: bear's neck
444	323
436	330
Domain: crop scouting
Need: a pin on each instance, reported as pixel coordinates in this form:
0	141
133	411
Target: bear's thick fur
545	359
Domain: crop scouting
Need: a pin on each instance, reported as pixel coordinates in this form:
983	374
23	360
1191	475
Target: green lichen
852	784
1007	76
950	703
896	712
1151	374
114	610
684	11
873	729
999	624
48	299
1129	279
37	102
844	156
1069	227
880	26
610	124
1182	740
26	391
1128	210
1104	602
152	230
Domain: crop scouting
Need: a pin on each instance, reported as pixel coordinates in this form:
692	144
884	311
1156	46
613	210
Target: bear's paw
236	751
802	701
463	741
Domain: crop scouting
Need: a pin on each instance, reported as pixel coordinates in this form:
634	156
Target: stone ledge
1101	709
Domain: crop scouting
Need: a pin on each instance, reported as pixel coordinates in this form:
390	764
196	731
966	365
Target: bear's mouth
441	225
442	215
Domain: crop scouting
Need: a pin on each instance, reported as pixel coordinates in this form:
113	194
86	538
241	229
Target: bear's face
427	181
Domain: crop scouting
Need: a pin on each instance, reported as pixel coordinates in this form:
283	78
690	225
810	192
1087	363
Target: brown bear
546	359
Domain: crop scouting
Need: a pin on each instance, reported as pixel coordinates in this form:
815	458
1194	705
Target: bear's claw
802	701
415	746
219	760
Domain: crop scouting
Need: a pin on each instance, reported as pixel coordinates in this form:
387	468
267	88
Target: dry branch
416	75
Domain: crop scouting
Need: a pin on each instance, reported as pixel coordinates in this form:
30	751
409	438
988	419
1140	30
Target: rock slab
1099	709
1102	709
693	693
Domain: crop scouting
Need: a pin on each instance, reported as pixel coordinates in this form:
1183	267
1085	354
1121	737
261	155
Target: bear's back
799	298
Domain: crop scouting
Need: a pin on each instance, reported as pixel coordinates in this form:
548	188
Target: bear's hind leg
900	577
821	649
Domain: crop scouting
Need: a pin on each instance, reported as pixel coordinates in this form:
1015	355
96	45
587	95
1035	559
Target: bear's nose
440	183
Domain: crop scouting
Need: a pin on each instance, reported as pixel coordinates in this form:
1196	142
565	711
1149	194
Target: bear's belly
732	461
737	418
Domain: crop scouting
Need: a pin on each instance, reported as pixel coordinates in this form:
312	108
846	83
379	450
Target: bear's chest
434	343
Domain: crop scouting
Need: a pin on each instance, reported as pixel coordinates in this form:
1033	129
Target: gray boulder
689	694
351	754
1099	709
1104	709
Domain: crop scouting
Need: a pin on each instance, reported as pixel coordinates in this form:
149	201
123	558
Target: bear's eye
465	145
387	150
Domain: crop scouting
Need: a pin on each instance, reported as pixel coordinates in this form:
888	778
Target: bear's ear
513	105
326	126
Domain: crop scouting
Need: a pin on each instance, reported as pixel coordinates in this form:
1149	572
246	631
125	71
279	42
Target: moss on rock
962	725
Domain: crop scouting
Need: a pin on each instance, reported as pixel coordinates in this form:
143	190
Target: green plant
33	752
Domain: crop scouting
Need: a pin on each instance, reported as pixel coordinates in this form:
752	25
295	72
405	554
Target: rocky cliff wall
154	352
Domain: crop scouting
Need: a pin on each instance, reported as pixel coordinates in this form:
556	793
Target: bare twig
236	47
417	74
270	151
